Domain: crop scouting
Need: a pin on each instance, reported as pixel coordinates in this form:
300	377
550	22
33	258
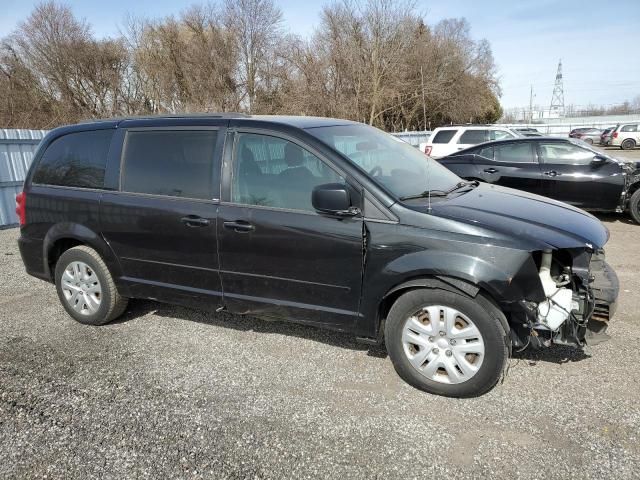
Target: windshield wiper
440	193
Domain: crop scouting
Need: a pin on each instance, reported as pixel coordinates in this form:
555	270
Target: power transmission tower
557	99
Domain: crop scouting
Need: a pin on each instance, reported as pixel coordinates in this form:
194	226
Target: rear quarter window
444	136
629	128
75	160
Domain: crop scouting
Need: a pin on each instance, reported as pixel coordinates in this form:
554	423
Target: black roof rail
173	115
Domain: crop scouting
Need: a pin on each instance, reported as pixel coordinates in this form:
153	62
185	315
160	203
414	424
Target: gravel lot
173	392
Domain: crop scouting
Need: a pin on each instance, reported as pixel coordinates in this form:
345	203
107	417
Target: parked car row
588	135
446	140
563	169
626	136
326	222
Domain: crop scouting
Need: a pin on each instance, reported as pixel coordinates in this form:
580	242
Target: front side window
565	153
75	160
444	136
274	172
176	163
520	152
392	163
473	137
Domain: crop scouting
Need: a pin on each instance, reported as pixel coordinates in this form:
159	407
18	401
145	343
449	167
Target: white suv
447	140
626	136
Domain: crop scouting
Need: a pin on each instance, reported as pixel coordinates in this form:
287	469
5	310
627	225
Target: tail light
615	135
427	149
21	207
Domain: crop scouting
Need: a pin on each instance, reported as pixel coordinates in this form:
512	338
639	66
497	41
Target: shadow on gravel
556	354
138	308
246	323
614	217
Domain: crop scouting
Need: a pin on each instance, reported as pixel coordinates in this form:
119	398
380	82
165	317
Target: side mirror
333	199
599	160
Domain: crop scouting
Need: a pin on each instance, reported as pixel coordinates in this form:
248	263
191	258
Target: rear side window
176	163
75	160
444	136
473	137
499	135
520	152
629	128
486	152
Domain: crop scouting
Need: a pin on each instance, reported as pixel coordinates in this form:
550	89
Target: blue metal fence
16	153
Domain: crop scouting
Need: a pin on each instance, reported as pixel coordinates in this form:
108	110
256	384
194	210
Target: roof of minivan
290	120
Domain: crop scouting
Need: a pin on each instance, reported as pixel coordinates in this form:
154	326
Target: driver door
569	174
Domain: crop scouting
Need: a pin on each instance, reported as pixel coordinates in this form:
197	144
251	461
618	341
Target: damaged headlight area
580	292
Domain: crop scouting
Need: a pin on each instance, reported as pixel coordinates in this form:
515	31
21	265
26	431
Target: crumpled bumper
605	288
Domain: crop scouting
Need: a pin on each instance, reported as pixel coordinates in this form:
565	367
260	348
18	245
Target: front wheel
446	343
634	206
86	288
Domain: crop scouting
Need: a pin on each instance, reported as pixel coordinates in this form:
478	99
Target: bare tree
257	28
375	61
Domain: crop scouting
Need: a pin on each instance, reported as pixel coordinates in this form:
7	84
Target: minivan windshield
396	165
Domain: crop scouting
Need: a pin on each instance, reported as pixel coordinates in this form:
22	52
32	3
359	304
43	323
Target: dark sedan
563	169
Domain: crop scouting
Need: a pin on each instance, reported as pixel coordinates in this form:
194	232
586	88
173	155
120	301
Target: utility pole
424	106
531	105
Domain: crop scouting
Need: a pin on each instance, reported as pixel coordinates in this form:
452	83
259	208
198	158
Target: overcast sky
598	41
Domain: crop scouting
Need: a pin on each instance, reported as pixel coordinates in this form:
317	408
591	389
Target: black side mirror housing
599	160
333	199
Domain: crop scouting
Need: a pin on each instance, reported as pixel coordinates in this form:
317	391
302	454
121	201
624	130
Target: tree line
374	61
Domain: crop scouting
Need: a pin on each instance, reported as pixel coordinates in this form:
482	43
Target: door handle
239	226
491	170
194	221
552	173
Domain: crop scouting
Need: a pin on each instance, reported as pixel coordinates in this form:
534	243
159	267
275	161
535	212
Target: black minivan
321	221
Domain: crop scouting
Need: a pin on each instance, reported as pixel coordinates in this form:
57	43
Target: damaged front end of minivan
573	303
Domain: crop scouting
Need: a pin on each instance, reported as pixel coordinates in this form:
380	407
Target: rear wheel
634	206
628	144
589	141
445	343
86	288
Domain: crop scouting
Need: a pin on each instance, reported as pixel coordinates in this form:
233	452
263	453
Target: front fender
507	275
81	234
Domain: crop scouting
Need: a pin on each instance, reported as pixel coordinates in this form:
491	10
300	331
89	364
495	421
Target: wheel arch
633	188
633	143
448	283
63	236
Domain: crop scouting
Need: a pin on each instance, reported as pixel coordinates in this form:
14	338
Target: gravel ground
171	392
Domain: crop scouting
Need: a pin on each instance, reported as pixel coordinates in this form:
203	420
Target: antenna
557	99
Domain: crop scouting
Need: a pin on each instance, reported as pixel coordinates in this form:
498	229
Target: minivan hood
526	216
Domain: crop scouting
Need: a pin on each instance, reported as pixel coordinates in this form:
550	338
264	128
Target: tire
628	144
401	330
85	287
634	206
589	141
